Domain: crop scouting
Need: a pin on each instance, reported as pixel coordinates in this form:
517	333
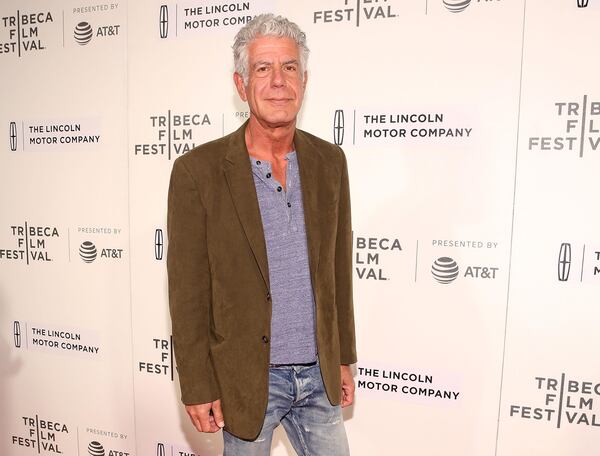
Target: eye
292	67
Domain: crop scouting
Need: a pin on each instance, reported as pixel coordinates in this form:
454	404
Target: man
260	261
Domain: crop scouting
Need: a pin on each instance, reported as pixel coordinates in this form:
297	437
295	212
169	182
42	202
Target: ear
305	79
239	85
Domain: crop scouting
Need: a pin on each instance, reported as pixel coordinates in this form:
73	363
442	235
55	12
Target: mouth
279	101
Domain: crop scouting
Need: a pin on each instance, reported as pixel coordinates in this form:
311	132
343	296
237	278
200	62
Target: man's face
275	85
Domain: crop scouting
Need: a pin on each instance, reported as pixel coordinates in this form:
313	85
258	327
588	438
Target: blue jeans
297	399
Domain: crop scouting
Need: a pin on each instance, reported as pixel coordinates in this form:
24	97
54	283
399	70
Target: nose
277	78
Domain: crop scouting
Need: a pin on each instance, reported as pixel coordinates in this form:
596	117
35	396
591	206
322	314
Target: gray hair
267	25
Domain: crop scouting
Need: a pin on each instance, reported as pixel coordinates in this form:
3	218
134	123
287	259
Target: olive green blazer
219	280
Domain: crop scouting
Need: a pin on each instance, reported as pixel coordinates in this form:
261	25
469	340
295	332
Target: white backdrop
472	132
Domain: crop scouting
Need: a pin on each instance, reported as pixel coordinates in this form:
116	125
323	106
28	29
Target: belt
293	364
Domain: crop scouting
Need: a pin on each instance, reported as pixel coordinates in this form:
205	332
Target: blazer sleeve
343	272
189	288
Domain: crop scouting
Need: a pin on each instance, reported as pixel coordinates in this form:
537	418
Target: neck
266	142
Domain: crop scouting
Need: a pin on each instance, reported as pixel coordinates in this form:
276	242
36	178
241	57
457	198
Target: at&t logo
84	32
445	270
88	252
96	449
458	6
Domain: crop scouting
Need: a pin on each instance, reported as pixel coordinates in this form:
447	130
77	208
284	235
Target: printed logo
355	12
25	32
158	244
338	127
444	270
385	126
581	131
57	134
163	21
456	6
42	436
582	3
83	33
564	262
13	135
566	401
88	252
406	384
95	449
367	258
164	366
579	262
31	243
164	449
175	133
201	17
17	333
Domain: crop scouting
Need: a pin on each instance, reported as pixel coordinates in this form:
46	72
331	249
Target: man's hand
203	419
347	385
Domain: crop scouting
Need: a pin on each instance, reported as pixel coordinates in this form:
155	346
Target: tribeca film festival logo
582	128
356	11
174	134
590	263
54	339
164	364
403	384
582	3
24	32
32	243
367	256
565	401
42	435
394	127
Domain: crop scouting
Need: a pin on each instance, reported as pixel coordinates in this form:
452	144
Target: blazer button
265	339
268	296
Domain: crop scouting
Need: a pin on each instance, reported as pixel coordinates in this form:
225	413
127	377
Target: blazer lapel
308	163
238	173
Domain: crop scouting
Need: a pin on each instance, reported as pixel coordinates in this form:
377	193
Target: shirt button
289	204
258	162
265	339
279	189
268	175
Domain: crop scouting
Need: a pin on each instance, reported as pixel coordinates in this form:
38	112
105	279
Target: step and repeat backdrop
472	133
